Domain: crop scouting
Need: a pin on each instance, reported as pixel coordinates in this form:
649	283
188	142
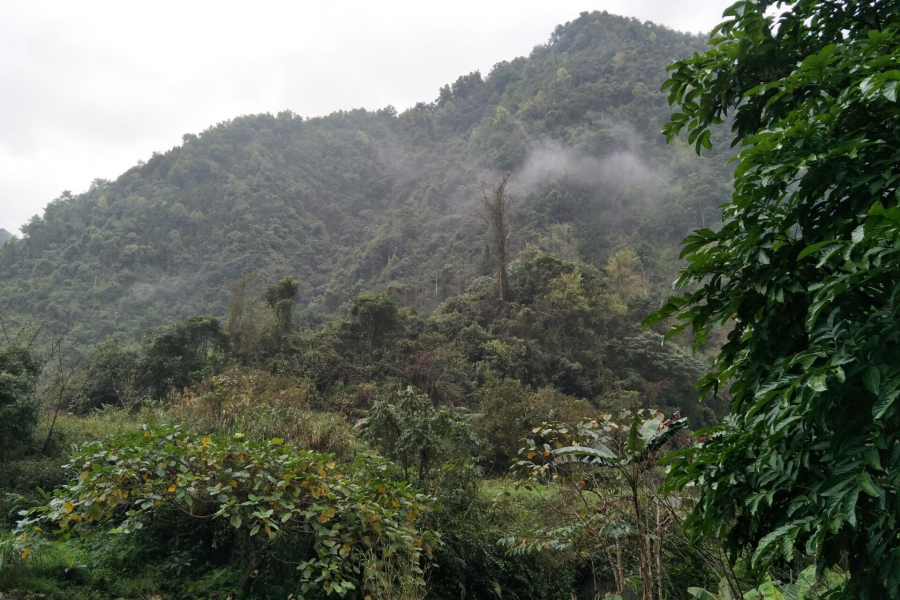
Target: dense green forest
359	200
437	354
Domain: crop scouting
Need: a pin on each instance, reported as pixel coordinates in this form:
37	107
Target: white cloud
89	88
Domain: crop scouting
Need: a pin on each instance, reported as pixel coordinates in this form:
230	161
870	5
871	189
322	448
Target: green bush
251	500
409	429
508	410
471	563
19	370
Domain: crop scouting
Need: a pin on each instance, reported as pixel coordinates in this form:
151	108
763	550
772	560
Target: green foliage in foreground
807	267
258	499
609	466
804	588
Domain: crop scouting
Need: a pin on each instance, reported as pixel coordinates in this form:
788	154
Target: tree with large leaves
607	467
806	265
357	521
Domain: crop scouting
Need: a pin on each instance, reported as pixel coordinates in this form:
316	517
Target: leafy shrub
475	515
508	410
19	370
410	430
806	464
111	377
252	498
609	467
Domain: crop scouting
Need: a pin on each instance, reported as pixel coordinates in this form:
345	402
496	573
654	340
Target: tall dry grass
261	406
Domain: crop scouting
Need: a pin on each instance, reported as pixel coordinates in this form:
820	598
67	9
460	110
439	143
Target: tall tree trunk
495	206
620	570
502	278
657	550
643	550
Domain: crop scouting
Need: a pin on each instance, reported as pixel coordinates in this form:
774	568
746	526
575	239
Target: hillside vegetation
359	200
436	354
231	333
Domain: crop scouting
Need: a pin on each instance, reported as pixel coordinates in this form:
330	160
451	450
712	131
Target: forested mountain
420	355
360	200
4	235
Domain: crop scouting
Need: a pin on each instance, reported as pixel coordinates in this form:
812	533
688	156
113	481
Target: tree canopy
805	267
19	371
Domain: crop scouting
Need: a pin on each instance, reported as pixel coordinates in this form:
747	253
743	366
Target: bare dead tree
34	337
62	378
18	337
495	210
58	366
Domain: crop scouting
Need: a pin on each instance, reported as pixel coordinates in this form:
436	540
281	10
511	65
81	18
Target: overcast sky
89	88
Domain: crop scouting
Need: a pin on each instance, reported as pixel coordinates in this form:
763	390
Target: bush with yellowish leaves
263	495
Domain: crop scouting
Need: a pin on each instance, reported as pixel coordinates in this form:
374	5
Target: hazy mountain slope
4	235
361	199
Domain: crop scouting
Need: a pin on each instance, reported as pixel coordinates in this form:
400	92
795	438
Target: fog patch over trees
619	170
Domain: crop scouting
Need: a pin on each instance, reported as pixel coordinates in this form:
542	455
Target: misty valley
437	352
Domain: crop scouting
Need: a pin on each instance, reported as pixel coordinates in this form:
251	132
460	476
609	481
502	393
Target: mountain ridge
359	200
